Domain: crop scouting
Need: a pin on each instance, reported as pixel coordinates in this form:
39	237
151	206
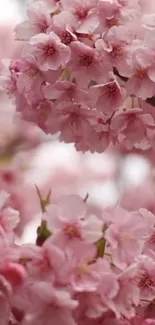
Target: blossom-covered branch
64	81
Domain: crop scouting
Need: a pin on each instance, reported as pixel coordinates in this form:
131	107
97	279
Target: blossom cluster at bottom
83	268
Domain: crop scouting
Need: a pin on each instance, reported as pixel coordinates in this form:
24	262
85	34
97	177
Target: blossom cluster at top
87	71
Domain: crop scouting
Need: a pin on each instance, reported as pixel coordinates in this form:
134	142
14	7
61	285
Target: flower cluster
83	61
82	270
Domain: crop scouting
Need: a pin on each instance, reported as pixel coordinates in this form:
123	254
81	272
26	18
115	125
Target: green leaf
42	233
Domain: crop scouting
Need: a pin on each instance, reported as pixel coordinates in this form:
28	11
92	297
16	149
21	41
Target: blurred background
107	178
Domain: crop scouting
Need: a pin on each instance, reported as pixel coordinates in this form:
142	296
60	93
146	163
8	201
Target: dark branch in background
150	101
125	79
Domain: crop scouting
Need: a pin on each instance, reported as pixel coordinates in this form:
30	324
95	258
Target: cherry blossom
70	224
123	242
109	96
84	13
85	60
50	53
140	83
39	21
133	126
145	278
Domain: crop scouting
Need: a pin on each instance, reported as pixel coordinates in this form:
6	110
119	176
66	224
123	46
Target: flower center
100	121
152	239
145	281
117	52
112	22
85	60
31	72
141	73
49	50
42	26
72	231
66	38
81	13
131	118
110	89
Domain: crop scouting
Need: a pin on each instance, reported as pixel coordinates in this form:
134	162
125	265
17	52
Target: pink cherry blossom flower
109	287
40	113
39	20
146	278
85	14
65	92
9	218
126	236
70	224
110	14
128	296
75	124
47	117
148	219
116	49
30	78
133	126
9	85
102	135
101	138
45	262
140	83
50	53
49	303
108	8
97	302
83	274
84	63
63	26
150	46
108	96
116	13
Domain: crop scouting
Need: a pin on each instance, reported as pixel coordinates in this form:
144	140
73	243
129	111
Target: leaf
42	233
